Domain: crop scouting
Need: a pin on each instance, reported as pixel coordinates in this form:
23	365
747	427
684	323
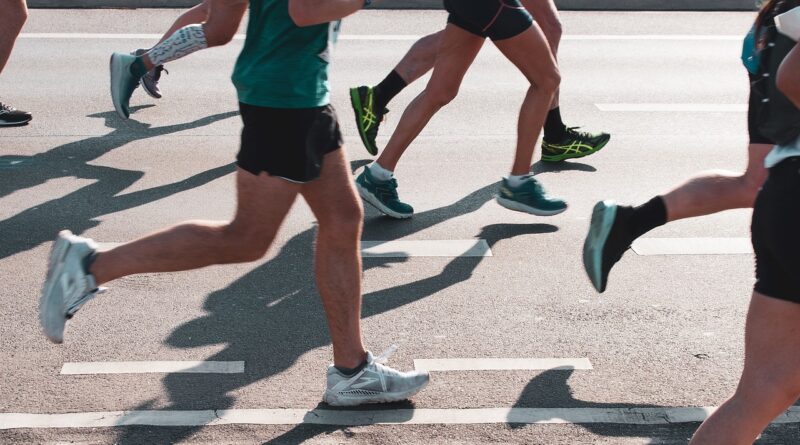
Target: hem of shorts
777	296
283	104
511	37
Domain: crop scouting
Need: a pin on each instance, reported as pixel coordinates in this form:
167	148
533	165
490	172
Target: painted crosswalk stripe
673	107
501	364
610	415
692	246
408	248
189	367
398	37
425	248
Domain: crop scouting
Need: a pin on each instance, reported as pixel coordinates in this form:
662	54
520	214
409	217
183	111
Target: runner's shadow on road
78	210
272	316
558	167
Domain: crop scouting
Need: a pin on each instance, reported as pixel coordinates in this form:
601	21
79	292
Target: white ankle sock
379	172
517	180
181	43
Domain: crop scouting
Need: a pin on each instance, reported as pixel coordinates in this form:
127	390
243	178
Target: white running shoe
375	383
68	285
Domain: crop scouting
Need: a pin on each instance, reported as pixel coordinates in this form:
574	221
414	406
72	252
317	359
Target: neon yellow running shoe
574	144
368	119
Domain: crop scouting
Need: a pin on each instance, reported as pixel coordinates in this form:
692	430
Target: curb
595	5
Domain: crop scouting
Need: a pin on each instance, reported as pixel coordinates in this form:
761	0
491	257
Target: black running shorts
776	233
495	19
286	142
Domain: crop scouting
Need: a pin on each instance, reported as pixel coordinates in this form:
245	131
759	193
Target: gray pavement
667	333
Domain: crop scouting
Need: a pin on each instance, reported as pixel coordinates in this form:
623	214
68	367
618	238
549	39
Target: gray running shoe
68	285
150	80
376	383
529	197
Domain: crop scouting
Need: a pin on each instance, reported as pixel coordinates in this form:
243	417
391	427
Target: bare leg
15	12
546	15
530	53
196	14
334	202
457	51
420	58
770	382
263	202
715	191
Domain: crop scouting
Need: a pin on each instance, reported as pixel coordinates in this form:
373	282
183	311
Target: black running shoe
608	239
574	144
10	116
368	119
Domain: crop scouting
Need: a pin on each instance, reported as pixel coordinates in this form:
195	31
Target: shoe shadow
558	167
78	210
272	316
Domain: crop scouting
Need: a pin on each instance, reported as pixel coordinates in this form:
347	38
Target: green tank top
281	64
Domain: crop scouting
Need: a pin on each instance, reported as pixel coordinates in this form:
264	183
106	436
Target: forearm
789	76
314	12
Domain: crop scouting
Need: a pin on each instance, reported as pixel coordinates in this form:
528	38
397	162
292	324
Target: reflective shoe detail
606	242
529	197
574	144
68	285
368	120
150	80
10	116
122	82
375	383
382	195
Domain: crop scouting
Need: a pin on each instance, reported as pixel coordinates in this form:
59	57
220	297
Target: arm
314	12
788	79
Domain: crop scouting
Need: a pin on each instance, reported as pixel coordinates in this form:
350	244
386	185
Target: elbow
299	14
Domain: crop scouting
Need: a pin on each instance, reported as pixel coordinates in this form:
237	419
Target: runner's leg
340	216
263	202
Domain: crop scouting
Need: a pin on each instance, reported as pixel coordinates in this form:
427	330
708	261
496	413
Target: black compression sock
351	371
648	216
388	89
554	128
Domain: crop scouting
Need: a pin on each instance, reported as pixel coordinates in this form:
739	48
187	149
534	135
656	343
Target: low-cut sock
351	371
554	128
389	87
515	181
379	172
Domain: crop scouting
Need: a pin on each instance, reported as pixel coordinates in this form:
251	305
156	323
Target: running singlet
281	64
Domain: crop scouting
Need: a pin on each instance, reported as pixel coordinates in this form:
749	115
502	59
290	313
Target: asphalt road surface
662	343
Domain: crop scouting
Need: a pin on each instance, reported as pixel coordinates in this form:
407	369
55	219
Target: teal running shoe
382	195
123	82
529	197
608	239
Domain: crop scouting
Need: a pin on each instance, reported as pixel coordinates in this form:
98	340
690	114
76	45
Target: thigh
530	53
333	196
545	12
262	202
457	50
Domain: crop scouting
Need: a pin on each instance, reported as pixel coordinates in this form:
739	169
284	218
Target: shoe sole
566	156
603	216
116	67
384	398
55	262
519	207
355	102
374	202
15	124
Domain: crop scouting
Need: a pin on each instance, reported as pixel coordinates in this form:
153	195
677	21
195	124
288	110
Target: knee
553	30
440	96
777	393
246	244
345	224
550	80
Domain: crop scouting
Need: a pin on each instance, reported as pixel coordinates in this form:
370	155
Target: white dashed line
673	108
501	364
692	246
189	367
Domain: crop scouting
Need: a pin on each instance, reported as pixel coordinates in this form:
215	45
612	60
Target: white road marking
190	367
501	364
425	248
396	37
666	107
612	415
408	248
692	246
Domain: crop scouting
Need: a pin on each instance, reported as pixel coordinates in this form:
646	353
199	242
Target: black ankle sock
554	128
137	68
351	371
648	216
388	89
